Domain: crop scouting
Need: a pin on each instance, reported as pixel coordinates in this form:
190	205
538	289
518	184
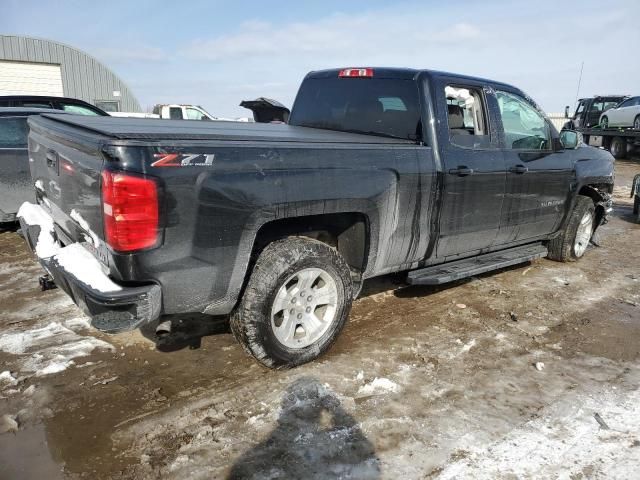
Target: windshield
386	107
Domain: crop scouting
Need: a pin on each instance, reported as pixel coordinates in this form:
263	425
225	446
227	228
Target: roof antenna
579	81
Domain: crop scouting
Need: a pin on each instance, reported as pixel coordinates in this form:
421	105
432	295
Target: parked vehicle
182	112
134	114
16	186
626	114
69	105
589	110
379	170
266	110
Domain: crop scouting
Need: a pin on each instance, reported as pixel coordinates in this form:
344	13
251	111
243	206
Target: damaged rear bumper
122	309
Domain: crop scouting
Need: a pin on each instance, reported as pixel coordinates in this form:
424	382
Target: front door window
525	128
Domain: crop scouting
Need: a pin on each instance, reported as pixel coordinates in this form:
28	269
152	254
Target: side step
468	267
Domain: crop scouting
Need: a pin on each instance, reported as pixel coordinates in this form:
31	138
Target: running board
449	272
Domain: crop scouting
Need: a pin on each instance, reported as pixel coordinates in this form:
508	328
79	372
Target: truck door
539	179
473	168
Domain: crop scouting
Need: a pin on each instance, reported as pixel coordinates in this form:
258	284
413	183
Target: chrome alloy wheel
583	234
304	308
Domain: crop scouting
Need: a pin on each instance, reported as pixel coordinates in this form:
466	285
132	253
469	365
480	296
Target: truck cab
182	112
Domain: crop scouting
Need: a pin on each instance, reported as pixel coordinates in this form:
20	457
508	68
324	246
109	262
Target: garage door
21	78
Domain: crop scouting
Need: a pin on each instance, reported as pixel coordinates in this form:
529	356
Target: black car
16	186
69	105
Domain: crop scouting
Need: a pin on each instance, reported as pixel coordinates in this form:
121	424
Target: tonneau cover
155	129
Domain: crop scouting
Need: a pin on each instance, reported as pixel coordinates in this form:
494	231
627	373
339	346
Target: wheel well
600	194
347	232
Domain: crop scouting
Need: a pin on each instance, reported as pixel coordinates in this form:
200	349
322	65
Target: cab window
467	118
78	109
525	128
13	132
194	114
175	113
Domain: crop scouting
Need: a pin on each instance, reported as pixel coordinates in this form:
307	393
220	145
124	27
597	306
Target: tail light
356	72
130	211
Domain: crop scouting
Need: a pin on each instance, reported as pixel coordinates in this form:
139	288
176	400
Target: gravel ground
530	372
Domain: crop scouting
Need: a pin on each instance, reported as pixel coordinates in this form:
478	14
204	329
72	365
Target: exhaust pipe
163	328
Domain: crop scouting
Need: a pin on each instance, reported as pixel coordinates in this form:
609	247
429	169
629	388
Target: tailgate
66	163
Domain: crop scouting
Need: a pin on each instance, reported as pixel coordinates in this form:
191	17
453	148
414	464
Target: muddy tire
636	207
618	148
571	244
295	304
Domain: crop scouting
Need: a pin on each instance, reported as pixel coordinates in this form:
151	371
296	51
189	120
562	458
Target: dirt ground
530	372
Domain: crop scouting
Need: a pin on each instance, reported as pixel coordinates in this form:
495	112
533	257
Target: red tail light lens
130	211
356	72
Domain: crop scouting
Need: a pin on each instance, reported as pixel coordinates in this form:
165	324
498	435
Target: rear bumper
115	311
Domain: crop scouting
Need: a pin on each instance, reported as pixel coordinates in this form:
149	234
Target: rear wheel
618	147
296	303
604	122
572	243
636	123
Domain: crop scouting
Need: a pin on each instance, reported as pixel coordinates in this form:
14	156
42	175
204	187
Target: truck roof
154	129
405	74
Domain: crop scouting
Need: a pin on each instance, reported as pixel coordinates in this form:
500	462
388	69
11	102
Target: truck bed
152	129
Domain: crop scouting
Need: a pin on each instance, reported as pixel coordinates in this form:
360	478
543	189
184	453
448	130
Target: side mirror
566	111
569	139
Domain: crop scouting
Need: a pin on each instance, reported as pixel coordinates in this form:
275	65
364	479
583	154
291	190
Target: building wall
83	76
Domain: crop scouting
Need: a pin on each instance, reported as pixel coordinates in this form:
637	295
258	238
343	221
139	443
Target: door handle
52	159
461	171
519	169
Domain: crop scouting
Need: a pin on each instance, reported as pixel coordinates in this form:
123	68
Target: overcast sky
217	53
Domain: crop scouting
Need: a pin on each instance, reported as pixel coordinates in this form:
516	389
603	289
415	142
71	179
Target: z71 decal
183	159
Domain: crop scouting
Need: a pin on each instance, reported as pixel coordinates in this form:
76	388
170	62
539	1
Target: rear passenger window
13	132
175	113
467	118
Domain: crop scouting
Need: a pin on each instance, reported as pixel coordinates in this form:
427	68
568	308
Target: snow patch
51	349
77	260
74	258
379	386
46	246
7	380
75	215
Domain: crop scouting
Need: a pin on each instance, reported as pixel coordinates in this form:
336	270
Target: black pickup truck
379	170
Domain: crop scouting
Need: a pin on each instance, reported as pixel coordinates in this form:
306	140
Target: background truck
379	170
182	112
586	120
588	111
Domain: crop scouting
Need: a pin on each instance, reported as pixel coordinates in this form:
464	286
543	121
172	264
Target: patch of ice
39	185
7	380
378	386
78	323
75	215
468	346
52	348
19	342
77	260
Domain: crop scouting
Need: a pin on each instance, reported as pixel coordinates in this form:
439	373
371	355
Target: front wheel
604	122
296	303
572	243
636	123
